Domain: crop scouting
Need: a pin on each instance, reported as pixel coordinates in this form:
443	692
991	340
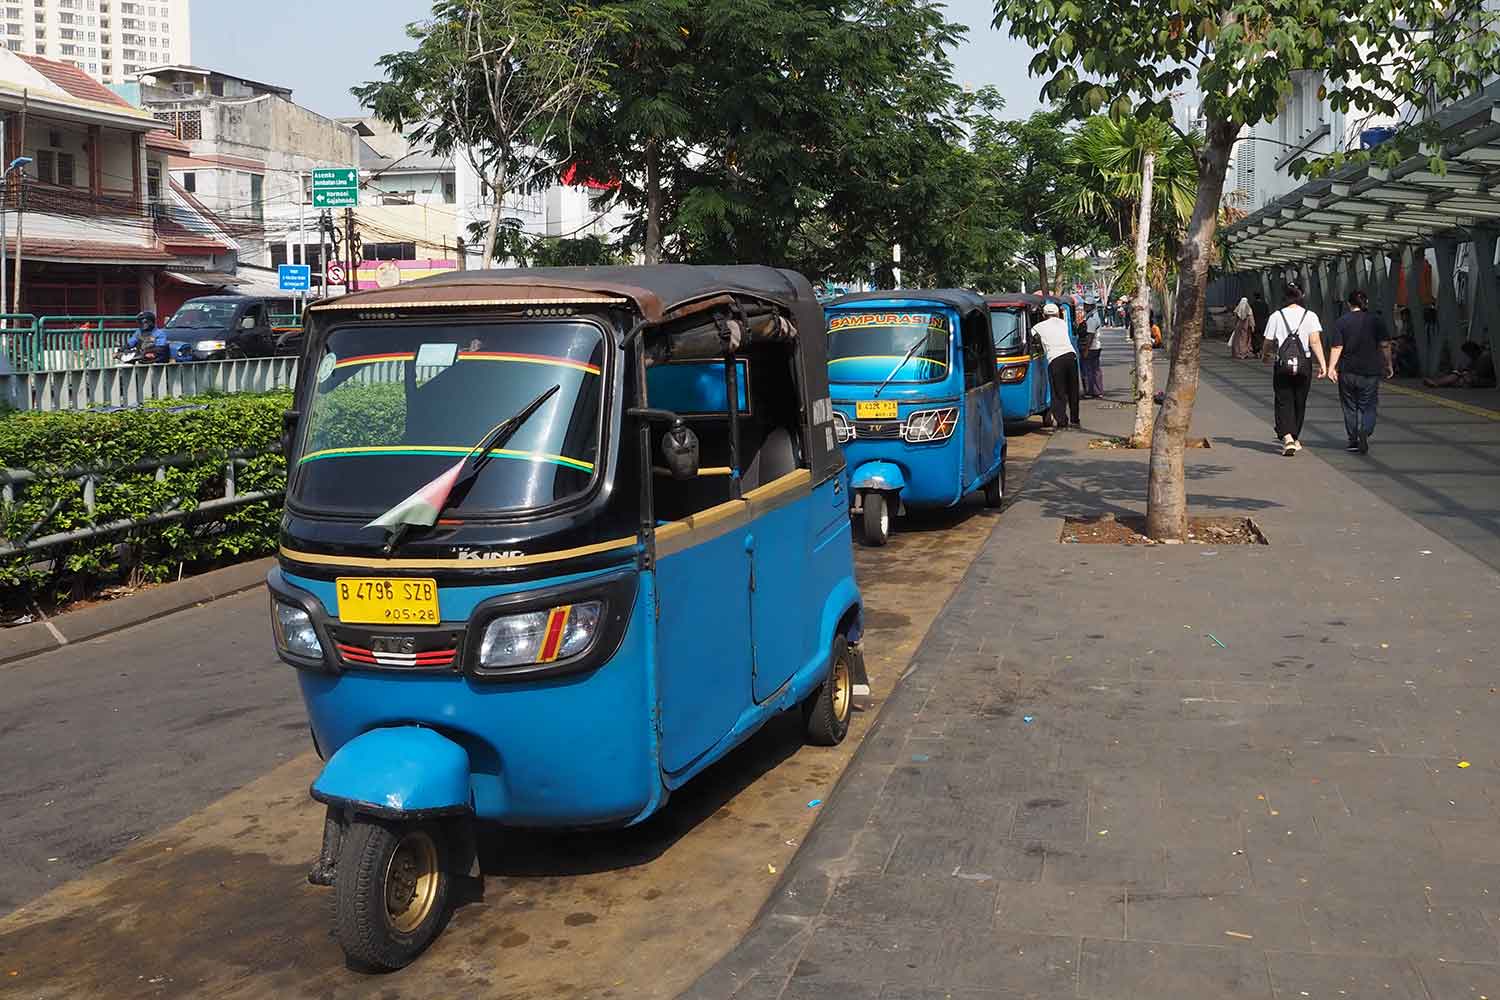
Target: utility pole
15	298
350	282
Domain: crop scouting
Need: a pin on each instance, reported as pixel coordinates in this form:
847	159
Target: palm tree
1139	177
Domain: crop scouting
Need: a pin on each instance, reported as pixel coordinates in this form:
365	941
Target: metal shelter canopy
1366	209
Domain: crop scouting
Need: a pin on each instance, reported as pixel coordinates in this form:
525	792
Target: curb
88	623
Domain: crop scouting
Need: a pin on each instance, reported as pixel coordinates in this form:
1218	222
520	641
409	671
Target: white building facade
111	40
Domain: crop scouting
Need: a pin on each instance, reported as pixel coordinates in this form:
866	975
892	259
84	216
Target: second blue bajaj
916	402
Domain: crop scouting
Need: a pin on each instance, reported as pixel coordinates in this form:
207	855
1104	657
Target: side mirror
679	449
289	420
248	323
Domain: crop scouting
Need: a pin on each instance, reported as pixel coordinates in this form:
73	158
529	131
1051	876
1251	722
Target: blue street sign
294	277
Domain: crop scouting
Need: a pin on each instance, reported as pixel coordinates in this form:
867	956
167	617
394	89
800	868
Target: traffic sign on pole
335	187
293	277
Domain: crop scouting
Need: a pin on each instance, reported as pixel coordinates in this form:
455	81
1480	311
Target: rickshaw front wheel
391	893
827	711
877	519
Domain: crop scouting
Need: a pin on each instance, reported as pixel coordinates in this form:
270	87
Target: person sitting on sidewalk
1476	372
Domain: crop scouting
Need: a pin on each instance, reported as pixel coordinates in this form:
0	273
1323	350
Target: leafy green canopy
1378	56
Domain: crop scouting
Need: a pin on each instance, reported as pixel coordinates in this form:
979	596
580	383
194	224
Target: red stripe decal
557	622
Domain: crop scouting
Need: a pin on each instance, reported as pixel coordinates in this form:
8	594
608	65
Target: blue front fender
397	771
878	476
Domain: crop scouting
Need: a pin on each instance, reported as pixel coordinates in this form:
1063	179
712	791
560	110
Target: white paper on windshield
436	355
326	366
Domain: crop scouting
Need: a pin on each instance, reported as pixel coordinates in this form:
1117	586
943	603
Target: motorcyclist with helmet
150	340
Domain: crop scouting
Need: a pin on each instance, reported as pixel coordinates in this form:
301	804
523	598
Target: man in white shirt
1062	365
1292	386
1093	352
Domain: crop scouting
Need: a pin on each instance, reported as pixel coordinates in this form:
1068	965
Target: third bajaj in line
916	401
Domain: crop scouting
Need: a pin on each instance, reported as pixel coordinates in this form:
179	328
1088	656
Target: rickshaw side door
703	640
981	425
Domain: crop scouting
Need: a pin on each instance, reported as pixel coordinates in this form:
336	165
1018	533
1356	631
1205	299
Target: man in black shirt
1360	356
1262	312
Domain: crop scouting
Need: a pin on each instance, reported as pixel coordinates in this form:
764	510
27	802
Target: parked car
214	327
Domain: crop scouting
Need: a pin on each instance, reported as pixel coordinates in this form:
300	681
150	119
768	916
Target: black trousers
1359	395
1291	400
1065	389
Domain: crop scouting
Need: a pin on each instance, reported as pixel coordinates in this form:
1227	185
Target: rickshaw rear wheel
391	893
827	711
877	519
994	490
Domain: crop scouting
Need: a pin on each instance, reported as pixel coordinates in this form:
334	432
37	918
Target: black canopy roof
960	299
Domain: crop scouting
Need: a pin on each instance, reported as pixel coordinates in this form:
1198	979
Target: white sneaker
1296	445
1288	446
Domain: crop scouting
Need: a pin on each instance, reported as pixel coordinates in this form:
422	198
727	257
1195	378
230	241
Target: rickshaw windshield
869	346
393	407
1005	325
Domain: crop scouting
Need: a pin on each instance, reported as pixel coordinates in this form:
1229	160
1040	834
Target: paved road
107	741
217	904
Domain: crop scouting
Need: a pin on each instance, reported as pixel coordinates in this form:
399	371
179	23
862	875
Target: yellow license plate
373	600
875	409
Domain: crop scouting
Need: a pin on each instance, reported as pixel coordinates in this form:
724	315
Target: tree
496	81
813	136
1139	177
1378	56
1042	190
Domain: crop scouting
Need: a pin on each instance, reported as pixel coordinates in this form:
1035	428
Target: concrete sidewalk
1075	792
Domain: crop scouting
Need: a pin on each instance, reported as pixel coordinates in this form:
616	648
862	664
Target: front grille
877	430
380	649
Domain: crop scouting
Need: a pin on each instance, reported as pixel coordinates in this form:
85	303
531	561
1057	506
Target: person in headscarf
1244	325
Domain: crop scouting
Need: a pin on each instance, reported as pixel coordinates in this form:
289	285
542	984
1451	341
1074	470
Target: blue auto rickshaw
1025	388
555	541
916	402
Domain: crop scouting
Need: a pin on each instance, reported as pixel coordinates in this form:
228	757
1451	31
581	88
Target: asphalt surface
107	741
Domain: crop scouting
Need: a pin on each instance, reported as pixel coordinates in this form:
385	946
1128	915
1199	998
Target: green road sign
335	187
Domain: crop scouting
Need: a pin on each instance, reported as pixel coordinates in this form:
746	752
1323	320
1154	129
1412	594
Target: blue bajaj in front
916	402
555	542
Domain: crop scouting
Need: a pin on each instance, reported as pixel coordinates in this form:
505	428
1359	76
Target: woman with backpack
1292	341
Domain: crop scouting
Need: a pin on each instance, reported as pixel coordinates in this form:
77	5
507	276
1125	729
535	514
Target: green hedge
210	428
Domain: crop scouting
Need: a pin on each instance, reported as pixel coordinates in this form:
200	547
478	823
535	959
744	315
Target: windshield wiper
423	508
904	359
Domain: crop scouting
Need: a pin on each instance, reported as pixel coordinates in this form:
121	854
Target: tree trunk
492	230
1040	260
1140	436
653	202
1166	501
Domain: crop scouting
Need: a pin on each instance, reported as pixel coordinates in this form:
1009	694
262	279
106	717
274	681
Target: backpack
1290	354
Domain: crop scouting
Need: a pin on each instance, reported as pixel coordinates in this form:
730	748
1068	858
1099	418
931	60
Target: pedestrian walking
1062	365
1262	313
1359	356
1292	341
1093	355
1244	320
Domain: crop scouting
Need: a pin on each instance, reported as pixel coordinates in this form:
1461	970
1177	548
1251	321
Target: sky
326	48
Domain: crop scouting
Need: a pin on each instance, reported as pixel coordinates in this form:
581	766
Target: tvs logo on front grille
393	644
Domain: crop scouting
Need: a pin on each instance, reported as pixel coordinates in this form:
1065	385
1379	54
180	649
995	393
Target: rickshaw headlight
930	425
540	636
842	428
294	630
1012	373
